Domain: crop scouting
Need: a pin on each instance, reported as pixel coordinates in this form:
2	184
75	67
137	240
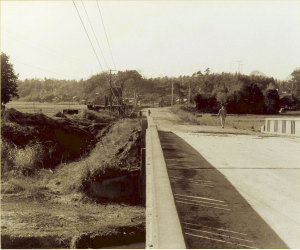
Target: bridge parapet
282	126
163	229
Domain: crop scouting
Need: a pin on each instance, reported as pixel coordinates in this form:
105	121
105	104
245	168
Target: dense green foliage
295	83
92	90
240	93
8	80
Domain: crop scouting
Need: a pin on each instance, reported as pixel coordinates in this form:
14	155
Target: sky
156	38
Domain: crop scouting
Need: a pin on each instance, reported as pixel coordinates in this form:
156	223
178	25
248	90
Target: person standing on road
222	115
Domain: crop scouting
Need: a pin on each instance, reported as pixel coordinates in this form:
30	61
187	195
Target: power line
106	35
36	45
87	35
240	66
94	33
27	43
112	90
42	69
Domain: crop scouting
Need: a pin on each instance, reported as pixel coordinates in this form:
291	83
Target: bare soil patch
46	224
91	200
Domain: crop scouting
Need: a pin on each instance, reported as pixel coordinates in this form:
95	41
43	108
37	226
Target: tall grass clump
185	115
29	159
104	154
25	161
103	116
8	151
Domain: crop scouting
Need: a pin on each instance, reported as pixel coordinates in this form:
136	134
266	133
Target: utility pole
135	97
240	66
189	93
180	97
110	78
172	100
111	90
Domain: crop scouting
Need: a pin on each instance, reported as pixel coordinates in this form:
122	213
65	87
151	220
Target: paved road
232	191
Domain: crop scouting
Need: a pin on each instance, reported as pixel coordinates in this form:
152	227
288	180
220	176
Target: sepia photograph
150	124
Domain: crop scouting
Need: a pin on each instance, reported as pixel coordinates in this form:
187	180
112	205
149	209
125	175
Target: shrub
8	151
29	159
272	101
21	160
102	116
206	104
33	186
248	100
60	114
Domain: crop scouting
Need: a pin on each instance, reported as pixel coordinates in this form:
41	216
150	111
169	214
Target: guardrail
163	229
282	126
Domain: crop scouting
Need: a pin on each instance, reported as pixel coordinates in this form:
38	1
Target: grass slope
51	209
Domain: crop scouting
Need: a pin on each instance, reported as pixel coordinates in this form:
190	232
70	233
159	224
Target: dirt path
255	177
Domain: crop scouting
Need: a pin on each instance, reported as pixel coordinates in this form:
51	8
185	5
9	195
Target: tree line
254	93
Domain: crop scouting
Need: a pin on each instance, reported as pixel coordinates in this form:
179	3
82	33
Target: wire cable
106	35
107	40
28	45
88	35
34	44
42	69
112	90
90	23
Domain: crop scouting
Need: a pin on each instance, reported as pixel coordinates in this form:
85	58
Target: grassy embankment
52	206
244	122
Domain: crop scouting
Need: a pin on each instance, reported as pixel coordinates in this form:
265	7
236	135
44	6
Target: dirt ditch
64	139
85	190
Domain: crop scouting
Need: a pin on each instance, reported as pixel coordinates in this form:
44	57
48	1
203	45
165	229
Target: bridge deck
212	212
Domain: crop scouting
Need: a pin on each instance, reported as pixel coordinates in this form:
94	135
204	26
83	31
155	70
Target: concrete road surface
261	198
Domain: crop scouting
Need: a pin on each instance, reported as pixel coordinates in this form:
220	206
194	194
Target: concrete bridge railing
282	126
163	229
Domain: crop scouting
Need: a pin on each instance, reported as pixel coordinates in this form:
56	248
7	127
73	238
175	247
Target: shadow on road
212	212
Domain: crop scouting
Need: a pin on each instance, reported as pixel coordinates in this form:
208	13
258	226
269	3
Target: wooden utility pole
189	92
240	67
172	100
135	97
179	92
111	90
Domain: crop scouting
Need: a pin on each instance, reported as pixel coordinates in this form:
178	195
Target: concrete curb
163	229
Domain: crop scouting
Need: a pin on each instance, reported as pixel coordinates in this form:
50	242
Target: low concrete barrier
163	229
282	126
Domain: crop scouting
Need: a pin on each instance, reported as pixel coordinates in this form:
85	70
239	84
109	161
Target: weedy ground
245	122
49	207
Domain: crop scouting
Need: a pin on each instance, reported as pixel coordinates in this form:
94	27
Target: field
49	109
246	122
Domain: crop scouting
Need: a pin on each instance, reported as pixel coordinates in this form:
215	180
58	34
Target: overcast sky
157	38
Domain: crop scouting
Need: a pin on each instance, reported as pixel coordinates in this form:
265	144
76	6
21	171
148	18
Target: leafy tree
295	82
288	101
240	93
254	99
206	103
128	78
272	101
8	80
